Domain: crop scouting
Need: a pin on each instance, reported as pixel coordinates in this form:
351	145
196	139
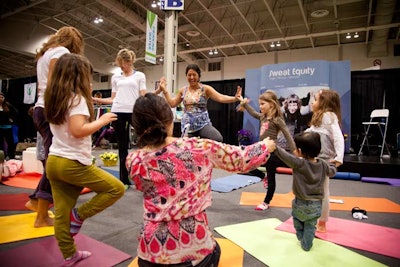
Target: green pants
68	178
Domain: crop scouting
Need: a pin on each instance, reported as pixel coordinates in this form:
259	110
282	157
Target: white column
170	49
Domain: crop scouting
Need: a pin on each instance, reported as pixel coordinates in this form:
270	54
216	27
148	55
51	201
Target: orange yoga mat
285	201
28	180
231	254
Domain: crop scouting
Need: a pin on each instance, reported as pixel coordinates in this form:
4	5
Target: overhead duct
378	46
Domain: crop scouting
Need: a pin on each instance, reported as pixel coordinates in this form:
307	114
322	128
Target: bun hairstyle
150	118
125	55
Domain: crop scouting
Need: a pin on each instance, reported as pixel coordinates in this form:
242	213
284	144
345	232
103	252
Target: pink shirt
175	181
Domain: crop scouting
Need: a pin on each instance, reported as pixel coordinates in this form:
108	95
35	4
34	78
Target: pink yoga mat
45	253
359	235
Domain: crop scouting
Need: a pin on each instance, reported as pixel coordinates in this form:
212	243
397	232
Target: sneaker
262	206
78	256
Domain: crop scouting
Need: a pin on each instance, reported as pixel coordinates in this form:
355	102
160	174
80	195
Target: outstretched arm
221	98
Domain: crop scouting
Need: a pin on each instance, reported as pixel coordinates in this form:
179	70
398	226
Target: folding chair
380	118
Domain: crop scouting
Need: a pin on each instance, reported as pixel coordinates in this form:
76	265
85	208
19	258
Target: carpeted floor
119	225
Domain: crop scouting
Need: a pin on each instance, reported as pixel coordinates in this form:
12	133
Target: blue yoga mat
232	182
347	176
113	172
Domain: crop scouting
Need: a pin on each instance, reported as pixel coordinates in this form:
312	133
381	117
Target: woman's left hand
238	94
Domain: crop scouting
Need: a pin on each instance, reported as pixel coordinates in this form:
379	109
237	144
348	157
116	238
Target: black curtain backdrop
368	91
224	117
14	92
375	89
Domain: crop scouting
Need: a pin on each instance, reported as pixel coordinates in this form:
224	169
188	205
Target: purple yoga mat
45	252
380	180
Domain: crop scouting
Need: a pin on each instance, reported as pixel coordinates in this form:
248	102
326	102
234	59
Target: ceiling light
192	33
215	51
161	59
320	13
348	36
278	44
154	4
272	44
187	44
159	3
210	52
356	35
98	20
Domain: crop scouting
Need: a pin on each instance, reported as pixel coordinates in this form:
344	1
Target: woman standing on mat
326	120
174	175
126	88
69	110
65	40
194	98
271	123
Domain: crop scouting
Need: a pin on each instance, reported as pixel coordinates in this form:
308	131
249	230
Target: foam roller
284	170
347	176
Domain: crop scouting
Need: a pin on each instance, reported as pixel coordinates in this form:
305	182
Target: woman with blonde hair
127	86
65	40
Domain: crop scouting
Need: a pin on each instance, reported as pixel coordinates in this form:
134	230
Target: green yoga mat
276	248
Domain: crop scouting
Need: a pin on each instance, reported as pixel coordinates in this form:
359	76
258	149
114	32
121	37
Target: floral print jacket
175	182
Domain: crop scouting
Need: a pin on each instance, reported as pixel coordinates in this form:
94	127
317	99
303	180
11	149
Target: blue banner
295	85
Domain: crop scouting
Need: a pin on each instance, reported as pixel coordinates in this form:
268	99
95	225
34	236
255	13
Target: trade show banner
295	84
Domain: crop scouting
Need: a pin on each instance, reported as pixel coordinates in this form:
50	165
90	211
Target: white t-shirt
42	69
64	144
127	89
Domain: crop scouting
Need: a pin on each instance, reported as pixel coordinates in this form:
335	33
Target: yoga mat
28	180
13	201
285	201
347	176
284	170
380	180
277	248
20	227
45	252
232	182
231	254
113	172
359	235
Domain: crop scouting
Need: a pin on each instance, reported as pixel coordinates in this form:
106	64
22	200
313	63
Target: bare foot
32	204
43	222
321	227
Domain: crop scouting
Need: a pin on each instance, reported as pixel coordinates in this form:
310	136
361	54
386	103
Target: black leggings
271	166
211	260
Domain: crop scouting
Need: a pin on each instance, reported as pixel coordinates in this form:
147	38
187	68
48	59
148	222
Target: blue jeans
305	215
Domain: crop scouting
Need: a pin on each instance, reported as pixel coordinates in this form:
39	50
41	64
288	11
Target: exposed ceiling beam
300	2
248	24
296	37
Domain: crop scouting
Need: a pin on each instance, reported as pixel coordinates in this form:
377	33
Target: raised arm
172	101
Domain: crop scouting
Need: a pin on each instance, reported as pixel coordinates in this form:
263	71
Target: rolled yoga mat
347	176
284	170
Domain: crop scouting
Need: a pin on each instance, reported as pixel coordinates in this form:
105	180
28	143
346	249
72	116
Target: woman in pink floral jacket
174	175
